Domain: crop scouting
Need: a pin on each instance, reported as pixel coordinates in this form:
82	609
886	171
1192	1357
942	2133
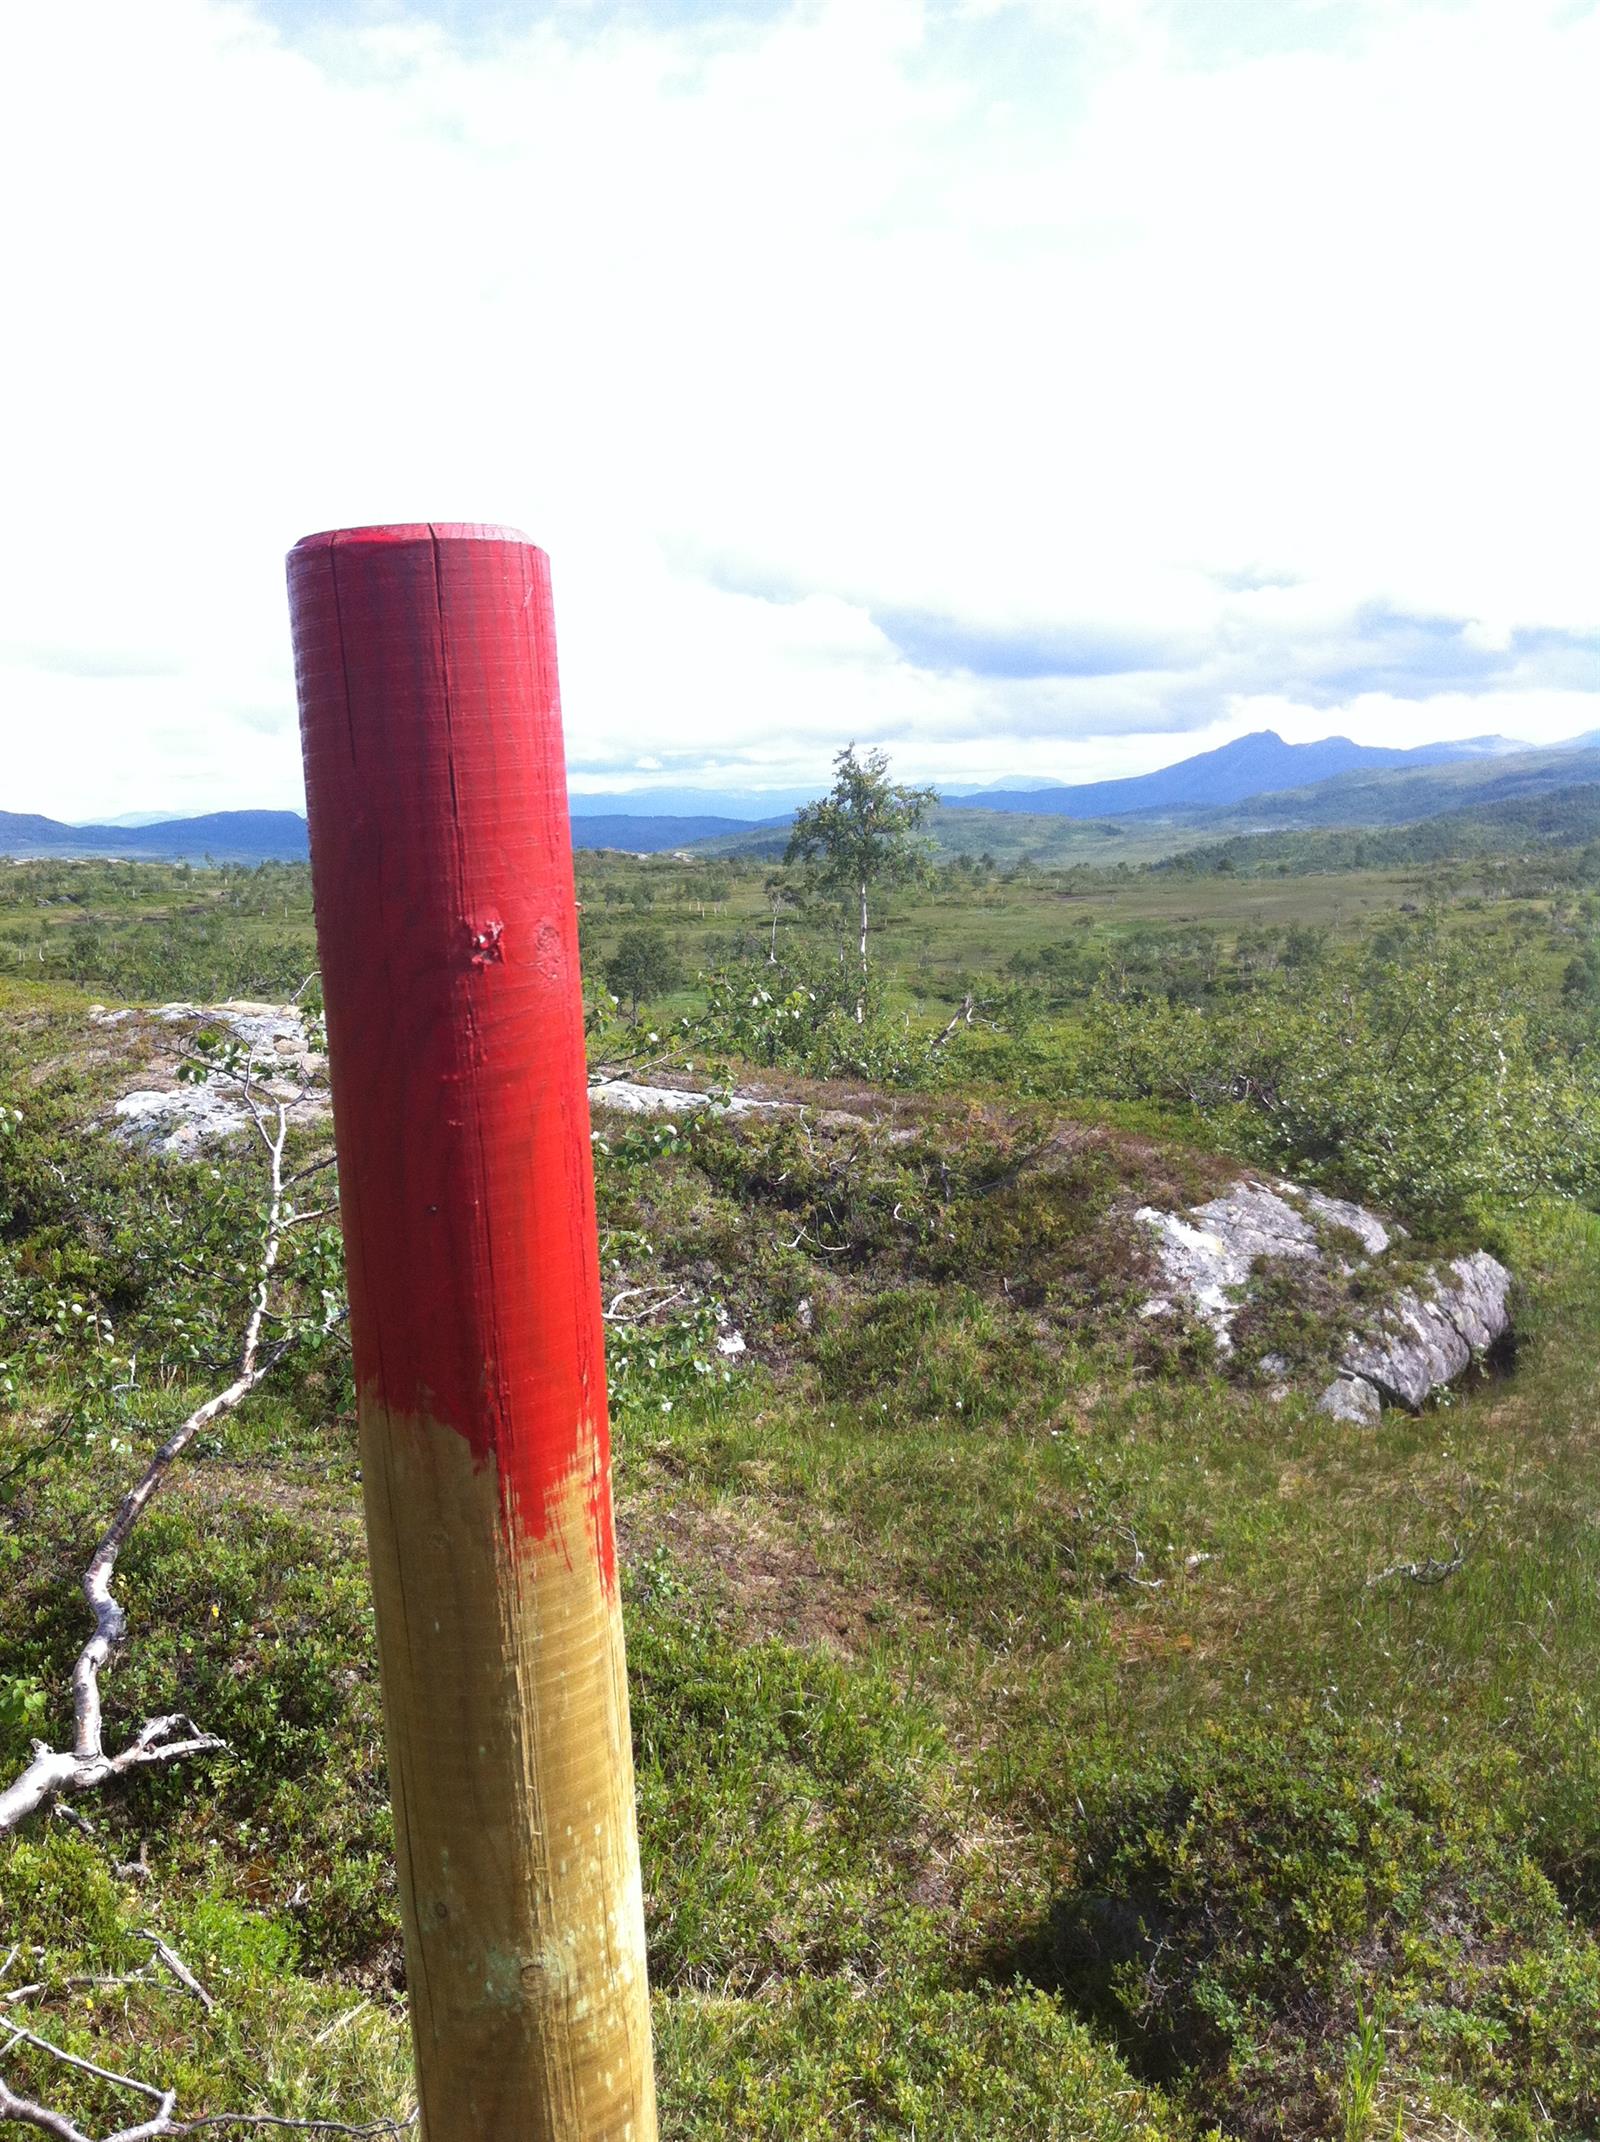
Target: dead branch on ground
54	1774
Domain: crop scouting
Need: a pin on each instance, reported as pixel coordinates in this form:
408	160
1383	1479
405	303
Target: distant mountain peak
1258	763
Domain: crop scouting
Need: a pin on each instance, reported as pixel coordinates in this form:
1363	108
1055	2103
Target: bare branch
313	1167
315	2127
339	2023
22	2036
30	2114
159	1740
1131	1575
1429	1572
164	2121
962	1018
640	1316
54	1772
179	1969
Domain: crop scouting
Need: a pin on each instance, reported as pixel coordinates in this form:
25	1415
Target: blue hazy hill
280	836
1254	765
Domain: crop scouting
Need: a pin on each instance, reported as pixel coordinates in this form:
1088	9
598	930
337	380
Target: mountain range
1252	765
1255	782
221	836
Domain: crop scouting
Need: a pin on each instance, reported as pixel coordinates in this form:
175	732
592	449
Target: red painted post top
442	870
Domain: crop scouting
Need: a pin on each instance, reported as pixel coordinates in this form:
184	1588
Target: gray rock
178	1122
272	1029
1351	1398
1368	1229
1479	1304
1415	1348
181	1120
1257	1222
1422	1339
1208	1264
268	1028
1200	1266
630	1099
1428	1339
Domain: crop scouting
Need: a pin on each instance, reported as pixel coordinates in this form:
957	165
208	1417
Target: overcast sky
1039	387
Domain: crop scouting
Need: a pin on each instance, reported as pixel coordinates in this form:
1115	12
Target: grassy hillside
1525	824
1406	793
1038	1731
1007	836
1489	801
144	931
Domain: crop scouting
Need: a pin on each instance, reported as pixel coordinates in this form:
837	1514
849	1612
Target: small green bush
1426	1080
834	2060
1236	1910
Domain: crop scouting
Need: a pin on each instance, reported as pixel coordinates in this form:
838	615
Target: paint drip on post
447	933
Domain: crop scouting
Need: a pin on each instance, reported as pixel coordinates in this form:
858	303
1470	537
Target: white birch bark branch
54	1773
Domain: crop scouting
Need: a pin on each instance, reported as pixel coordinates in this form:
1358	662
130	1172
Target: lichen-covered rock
1401	1351
1479	1304
1415	1349
631	1099
1207	1256
1351	1398
1427	1339
181	1119
1373	1234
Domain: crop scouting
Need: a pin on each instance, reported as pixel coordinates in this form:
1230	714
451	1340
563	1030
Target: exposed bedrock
1384	1348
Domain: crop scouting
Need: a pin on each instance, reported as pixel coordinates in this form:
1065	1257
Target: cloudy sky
1036	387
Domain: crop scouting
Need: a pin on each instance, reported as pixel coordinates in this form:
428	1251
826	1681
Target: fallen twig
1432	1571
639	1316
54	1773
179	1969
164	2120
1131	1575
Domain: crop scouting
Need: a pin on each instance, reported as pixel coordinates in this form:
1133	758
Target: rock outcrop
178	1118
631	1099
1427	1339
1397	1349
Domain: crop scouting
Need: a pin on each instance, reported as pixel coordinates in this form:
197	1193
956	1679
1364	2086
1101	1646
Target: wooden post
442	871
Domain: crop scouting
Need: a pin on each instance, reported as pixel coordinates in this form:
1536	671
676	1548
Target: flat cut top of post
415	532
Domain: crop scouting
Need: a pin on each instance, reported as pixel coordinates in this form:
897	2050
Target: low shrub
1238	1910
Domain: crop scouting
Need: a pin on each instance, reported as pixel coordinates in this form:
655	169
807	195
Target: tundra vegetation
1041	1732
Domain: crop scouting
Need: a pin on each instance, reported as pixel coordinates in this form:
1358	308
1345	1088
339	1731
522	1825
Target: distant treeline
1565	819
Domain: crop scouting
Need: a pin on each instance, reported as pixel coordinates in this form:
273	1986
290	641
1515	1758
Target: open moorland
1049	1724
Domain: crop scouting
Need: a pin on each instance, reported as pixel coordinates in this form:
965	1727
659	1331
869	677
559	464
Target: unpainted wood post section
446	926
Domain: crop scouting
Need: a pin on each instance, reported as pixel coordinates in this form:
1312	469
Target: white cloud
1095	325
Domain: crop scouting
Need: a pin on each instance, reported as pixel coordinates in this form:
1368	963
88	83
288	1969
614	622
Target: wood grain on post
442	868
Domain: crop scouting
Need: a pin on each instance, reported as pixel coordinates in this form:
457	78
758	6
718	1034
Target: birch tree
863	837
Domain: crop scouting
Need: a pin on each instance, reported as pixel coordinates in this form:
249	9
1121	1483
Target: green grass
1030	1743
145	931
1260	1688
